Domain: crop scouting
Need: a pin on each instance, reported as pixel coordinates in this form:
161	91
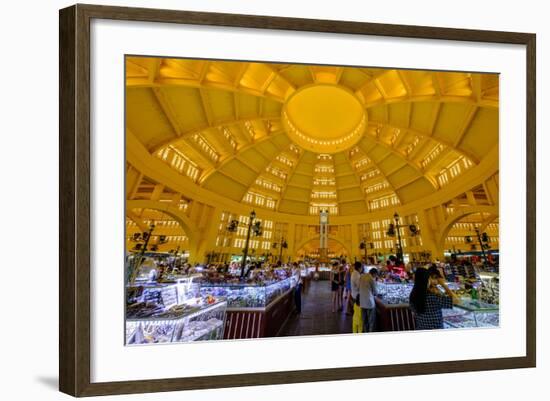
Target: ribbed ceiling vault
220	123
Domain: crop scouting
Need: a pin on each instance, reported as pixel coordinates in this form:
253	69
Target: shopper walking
355	277
347	290
298	289
427	301
367	292
357	323
335	287
342	284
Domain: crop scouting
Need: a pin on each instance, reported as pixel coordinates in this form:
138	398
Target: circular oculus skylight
324	118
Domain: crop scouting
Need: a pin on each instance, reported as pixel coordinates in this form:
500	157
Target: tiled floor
317	317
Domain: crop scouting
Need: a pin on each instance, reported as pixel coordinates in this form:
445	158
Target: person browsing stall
354	279
427	301
335	283
357	323
367	292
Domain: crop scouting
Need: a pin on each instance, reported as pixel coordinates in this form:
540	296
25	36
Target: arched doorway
310	249
167	236
472	214
460	236
136	208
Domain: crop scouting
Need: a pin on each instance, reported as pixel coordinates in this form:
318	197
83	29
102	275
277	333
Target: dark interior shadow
51	382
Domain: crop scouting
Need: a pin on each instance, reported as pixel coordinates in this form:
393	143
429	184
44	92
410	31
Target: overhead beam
136	219
400	137
436	84
312	73
168	110
426	135
268	81
389	183
489	220
465	125
407	182
279	76
380	88
422	143
154	69
476	87
434	119
358	177
488	103
190	133
195	83
204	71
235	156
336	182
396	152
239	75
405	83
207	107
339	73
369	81
288	178
235	106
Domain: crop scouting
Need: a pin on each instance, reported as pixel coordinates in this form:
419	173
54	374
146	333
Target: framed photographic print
237	190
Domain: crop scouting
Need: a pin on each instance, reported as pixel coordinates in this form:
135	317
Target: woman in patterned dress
427	301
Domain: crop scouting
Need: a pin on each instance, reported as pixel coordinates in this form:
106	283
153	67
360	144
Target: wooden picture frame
74	204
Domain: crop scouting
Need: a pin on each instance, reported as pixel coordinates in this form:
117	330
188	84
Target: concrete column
439	214
471	198
492	189
133	179
355	242
291	241
176	199
429	235
207	237
157	192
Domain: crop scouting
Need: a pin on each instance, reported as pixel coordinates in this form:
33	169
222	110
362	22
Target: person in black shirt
427	301
335	283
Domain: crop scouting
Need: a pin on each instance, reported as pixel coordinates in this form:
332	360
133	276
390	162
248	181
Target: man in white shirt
367	292
355	277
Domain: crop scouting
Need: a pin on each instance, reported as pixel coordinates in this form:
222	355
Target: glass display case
178	324
320	273
398	293
394	298
247	295
471	313
454	286
394	293
172	312
489	290
312	269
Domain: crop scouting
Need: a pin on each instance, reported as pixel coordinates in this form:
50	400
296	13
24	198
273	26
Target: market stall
172	312
471	313
392	307
255	309
320	272
306	276
394	314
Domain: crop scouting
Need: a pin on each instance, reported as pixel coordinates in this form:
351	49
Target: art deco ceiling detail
324	118
294	138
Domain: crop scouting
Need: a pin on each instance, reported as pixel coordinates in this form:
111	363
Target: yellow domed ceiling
296	138
324	118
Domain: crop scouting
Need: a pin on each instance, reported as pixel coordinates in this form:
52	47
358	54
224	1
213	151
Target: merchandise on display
248	295
469	313
489	290
462	317
394	293
172	312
